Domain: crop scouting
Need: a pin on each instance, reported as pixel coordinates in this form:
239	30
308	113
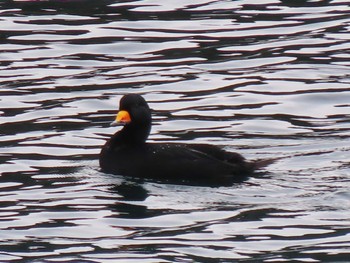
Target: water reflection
125	208
267	79
305	3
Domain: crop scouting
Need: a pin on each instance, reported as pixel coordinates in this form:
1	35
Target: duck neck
133	135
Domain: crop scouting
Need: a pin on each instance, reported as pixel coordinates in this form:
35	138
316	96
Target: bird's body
128	153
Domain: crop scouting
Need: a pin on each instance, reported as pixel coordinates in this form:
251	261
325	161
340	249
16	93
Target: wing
197	163
219	153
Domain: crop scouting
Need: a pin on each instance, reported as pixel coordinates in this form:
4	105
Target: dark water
267	78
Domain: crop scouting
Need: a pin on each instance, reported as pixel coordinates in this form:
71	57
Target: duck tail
262	163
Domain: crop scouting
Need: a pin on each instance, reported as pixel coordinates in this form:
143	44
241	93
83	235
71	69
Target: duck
128	153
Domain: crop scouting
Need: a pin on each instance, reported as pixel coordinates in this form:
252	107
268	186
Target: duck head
135	115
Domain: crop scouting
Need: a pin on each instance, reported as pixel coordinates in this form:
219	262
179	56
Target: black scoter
128	153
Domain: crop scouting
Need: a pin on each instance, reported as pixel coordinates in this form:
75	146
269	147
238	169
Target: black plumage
128	153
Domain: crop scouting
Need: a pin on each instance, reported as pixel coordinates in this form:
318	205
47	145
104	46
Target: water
269	79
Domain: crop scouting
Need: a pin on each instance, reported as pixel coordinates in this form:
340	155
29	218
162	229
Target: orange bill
123	117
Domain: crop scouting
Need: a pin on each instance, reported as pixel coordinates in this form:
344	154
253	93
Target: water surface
268	79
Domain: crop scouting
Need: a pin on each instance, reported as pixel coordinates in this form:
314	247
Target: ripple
267	79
